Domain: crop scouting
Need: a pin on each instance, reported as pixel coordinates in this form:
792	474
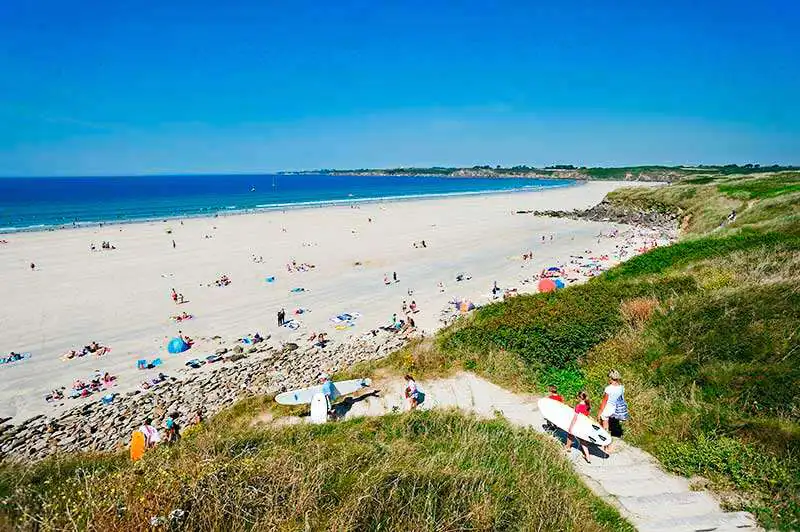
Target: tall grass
420	471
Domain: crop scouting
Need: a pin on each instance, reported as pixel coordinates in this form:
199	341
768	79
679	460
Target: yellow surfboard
137	445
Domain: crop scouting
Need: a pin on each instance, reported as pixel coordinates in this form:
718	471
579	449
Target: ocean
52	202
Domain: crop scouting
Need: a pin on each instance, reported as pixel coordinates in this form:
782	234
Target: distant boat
274	181
252	189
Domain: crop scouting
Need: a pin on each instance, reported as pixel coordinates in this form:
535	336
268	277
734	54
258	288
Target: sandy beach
121	297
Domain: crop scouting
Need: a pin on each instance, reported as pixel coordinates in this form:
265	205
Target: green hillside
706	333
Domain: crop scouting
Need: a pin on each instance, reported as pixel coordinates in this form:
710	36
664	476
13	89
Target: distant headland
561	171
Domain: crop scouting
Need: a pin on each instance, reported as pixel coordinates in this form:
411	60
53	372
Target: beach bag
621	409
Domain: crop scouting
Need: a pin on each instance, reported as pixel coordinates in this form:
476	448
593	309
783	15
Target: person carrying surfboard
583	407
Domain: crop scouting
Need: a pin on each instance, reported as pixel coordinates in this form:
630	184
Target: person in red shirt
583	407
554	394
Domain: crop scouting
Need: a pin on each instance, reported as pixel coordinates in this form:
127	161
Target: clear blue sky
178	86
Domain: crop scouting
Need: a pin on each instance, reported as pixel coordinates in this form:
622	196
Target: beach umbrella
177	345
547	285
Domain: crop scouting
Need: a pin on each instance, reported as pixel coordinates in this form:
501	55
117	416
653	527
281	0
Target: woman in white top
411	392
608	405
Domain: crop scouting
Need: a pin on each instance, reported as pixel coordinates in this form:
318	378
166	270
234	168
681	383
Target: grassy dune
424	471
705	332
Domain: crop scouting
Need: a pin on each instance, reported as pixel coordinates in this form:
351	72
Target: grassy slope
424	471
706	333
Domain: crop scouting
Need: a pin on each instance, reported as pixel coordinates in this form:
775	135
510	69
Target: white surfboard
319	409
585	428
303	396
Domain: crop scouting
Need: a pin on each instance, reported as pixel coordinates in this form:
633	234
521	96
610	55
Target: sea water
52	202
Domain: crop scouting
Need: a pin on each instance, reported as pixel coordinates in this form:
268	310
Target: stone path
629	479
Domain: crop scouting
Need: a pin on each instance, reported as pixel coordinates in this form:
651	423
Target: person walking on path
583	407
613	403
411	392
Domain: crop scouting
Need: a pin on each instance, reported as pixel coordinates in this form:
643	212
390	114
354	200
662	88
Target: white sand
121	298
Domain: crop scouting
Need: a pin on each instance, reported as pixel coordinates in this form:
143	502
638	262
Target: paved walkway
629	479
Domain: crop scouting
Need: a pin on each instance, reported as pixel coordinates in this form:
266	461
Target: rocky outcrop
265	369
606	211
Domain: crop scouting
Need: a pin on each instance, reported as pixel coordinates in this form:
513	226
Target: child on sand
583	407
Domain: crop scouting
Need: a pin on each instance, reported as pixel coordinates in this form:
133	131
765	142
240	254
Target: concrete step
711	522
666	506
645	487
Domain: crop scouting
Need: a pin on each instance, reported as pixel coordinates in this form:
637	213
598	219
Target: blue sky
99	87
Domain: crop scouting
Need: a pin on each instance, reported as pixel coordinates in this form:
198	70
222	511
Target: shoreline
314	204
118	297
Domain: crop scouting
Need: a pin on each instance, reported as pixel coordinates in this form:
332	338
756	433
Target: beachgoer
413	306
174	296
173	244
281	317
404	307
612	395
394	276
583	407
151	435
553	394
197	418
33	266
394	320
411	392
172	429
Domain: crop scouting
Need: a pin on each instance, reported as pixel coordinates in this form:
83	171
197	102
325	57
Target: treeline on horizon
595	172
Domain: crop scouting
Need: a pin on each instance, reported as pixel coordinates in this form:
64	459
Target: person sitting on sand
188	341
583	407
411	392
413	306
257	338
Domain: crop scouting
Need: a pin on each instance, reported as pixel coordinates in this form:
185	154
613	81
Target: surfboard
137	445
304	396
561	416
319	409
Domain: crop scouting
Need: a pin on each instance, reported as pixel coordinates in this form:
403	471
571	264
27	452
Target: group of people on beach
176	297
293	267
103	246
223	280
93	348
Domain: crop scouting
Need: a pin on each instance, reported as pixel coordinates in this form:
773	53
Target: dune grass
706	333
420	471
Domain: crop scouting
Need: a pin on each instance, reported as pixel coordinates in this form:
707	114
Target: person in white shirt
611	396
151	435
412	393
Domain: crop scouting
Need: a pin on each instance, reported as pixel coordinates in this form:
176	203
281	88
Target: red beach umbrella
547	285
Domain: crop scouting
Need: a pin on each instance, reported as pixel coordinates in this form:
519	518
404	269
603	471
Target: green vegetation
706	333
421	471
